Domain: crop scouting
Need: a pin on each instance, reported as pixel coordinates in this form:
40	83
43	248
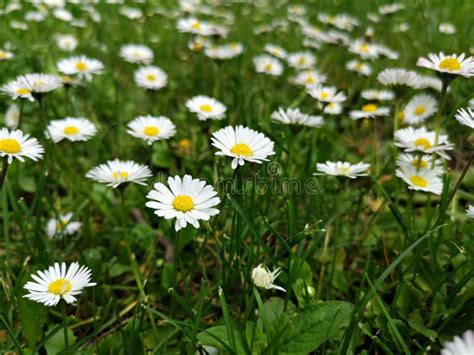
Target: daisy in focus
151	129
422	140
188	200
448	64
70	128
58	282
136	53
327	94
242	144
296	117
151	78
82	66
418	109
264	278
465	117
426	180
206	108
268	65
369	111
341	168
116	172
62	225
16	144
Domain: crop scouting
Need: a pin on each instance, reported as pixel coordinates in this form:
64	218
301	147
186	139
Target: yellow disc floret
151	131
450	64
370	108
242	149
205	108
423	142
10	146
183	203
71	130
60	287
418	181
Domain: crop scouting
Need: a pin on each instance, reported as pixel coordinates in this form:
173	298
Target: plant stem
442	96
66	340
4	171
376	148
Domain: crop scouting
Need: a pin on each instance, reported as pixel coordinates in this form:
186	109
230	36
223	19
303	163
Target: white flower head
268	65
66	43
460	345
264	278
422	140
301	60
275	51
16	144
12	116
426	180
448	64
470	211
447	28
82	66
206	108
195	26
186	199
151	78
151	129
116	172
420	162
359	67
62	226
333	108
342	168
380	95
58	282
465	117
71	128
327	94
418	109
136	53
296	117
6	55
399	77
309	78
364	49
370	110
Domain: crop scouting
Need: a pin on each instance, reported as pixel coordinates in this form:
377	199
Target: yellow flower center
450	64
151	77
196	25
81	66
423	142
364	48
60	287
419	110
151	131
344	170
183	203
401	116
419	163
120	174
268	67
359	66
3	55
71	130
242	149
324	95
370	108
23	91
197	47
184	144
10	146
418	181
205	108
302	61
310	79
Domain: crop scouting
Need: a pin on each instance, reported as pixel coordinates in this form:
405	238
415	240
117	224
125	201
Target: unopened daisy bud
264	278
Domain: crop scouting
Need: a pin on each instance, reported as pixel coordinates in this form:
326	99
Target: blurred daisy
341	168
150	78
399	77
62	225
309	78
80	65
116	172
151	129
136	53
198	43
41	84
63	15
364	49
391	8
206	108
275	51
326	94
419	108
188	200
58	282
431	82
470	211
17	88
268	65
449	64
465	117
6	55
422	140
70	128
333	108
301	60
460	345
15	144
369	111
264	278
423	161
380	95
193	25
296	117
242	144
447	28
66	43
359	67
131	12
421	179
12	116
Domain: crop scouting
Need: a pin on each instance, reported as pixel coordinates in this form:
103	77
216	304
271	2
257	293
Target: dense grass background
405	262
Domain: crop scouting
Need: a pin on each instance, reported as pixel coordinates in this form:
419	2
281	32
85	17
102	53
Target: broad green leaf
32	317
56	344
217	337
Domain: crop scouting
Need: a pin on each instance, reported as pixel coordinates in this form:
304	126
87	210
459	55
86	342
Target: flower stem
66	340
4	171
442	97
376	148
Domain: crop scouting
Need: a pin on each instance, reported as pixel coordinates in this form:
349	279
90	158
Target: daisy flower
296	117
206	108
448	64
460	345
62	225
301	60
333	108
447	28
399	77
136	53
195	26
58	282
419	108
264	278
80	65
116	172
470	211
369	111
30	85
421	179
391	8
224	52
242	144
70	128
6	55
309	78
342	168
15	144
188	200
326	94
364	49
431	82
151	129
465	117
380	95
268	65
359	67
422	140
66	43
275	51
12	116
151	78
420	162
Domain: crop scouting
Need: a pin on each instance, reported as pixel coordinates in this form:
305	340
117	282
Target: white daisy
62	225
359	67
333	108
369	111
431	82
131	12
206	108
465	117
391	8
380	95
296	117
151	78
81	65
470	211
301	60
364	49
275	51
136	53
460	345
15	144
420	162
242	144
12	116
447	28
6	55
421	140
268	65
17	88
419	108
224	52
342	168
70	128
399	77
66	43
188	200
58	282
193	25
151	129
449	64
309	78
116	172
326	94
264	278
421	179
